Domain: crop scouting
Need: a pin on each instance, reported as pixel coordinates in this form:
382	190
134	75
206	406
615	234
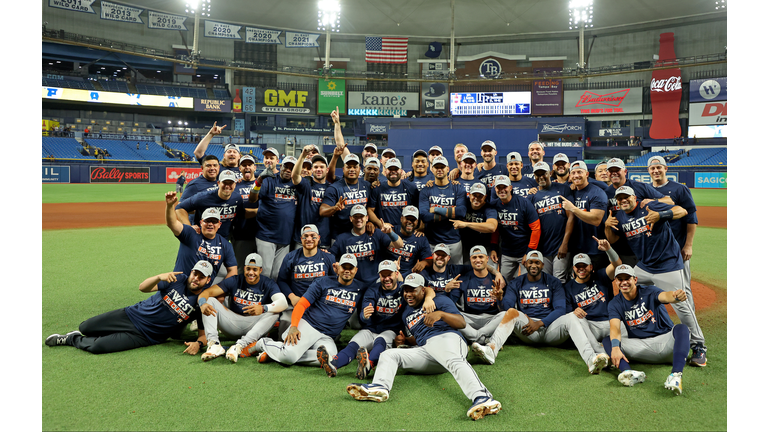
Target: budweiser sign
101	174
607	101
612	99
672	83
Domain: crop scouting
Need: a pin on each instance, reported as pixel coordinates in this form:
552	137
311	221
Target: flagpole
452	69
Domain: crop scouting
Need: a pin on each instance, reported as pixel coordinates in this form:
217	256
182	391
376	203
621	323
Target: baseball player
535	155
561	167
660	261
243	229
388	199
148	322
601	173
344	194
521	185
534	309
440	347
479	223
231	159
443	277
519	228
371	170
459	150
466	171
420	173
415	253
440	203
652	337
223	198
475	299
434	152
205	181
248	318
306	168
310	191
180	182
489	169
317	318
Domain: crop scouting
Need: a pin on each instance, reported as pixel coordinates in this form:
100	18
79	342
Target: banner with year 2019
262	36
120	12
222	30
73	5
301	40
165	21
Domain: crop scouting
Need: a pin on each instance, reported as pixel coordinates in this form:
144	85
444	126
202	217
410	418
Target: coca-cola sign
106	174
608	101
670	84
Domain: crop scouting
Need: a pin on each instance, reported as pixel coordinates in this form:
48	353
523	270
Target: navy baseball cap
434	50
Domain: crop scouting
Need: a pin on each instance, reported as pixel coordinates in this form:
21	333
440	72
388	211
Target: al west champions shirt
242	228
514	220
552	216
642	191
166	312
388	309
414	249
195	247
438	280
297	271
442	197
277	211
196	186
420	182
309	195
656	249
414	320
590	198
592	297
353	194
470	237
475	294
487	176
522	186
681	195
645	316
331	304
366	249
228	208
543	299
244	295
388	201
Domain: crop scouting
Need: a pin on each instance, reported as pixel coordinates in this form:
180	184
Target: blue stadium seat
62	148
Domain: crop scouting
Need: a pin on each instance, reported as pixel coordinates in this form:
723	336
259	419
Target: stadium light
328	15
202	6
580	12
720	5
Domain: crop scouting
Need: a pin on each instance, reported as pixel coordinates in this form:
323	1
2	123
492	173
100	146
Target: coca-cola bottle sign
666	92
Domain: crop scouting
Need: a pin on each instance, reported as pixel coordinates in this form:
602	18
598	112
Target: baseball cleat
371	392
264	358
234	352
699	356
59	339
631	377
482	407
214	350
250	350
484	352
675	383
363	364
599	362
325	361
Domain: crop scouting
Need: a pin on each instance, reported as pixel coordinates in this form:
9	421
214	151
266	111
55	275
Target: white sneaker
368	392
631	377
675	383
483	407
214	350
484	352
599	362
234	352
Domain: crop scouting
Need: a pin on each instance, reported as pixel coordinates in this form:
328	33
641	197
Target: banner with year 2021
120	12
165	21
222	30
301	40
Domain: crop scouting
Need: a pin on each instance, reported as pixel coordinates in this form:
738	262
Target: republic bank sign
382	103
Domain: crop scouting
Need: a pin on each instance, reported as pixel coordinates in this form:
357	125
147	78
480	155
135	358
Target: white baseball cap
254	260
469	155
514	156
439	160
289	160
657	160
541	166
624	269
442	248
478	250
578	165
203	267
501	180
244	158
358	209
411	211
414	280
210	213
534	254
560	157
271	150
372	161
231	146
227	175
348	259
478	188
616	163
351	158
436	148
488	143
625	190
387	265
310	228
388	150
393	162
307	161
582	259
371	145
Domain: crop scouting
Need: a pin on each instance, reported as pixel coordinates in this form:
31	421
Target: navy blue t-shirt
297	271
366	248
592	297
420	182
277	211
467	185
543	299
475	294
165	313
590	198
515	218
388	309
414	249
331	304
195	186
228	208
470	237
242	228
414	320
681	195
450	195
358	193
642	191
195	247
656	249
309	195
244	295
645	316
522	186
552	217
438	280
487	176
388	201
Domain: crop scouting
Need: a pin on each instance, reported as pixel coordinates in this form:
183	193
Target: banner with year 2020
262	36
120	12
73	5
222	30
301	40
165	21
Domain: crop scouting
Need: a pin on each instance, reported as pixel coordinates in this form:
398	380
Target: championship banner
262	36
216	29
118	12
331	94
609	101
249	99
109	174
73	5
172	174
213	105
301	40
278	101
547	97
706	90
79	95
165	21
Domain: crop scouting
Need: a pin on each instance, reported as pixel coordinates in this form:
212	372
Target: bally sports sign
609	101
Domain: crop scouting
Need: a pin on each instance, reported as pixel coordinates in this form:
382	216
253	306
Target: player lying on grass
248	318
652	337
148	322
440	347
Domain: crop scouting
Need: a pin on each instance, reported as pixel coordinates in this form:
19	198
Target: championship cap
388	150
411	211
478	250
319	157
560	157
439	160
358	209
231	147
469	155
488	143
351	158
501	180
307	161
615	163
244	158
203	267
387	265
348	259
227	175
420	152
578	165
211	213
626	190
582	259
393	162
271	150
478	188
414	280
624	269
310	228
289	160
534	254
372	161
442	248
254	260
657	160
514	156
371	145
541	166
436	148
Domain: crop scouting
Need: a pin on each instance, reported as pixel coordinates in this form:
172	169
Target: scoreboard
491	103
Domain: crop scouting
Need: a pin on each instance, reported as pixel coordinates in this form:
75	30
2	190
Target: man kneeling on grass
148	322
440	347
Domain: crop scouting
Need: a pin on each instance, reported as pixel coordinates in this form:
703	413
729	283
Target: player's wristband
393	236
441	211
201	301
201	344
612	255
665	215
265	308
615	343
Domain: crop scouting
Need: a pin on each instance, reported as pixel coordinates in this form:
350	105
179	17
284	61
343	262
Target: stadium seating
126	150
62	148
66	83
114	86
698	157
220	94
165	90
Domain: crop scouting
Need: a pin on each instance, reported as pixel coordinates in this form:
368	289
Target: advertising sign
55	174
560	128
609	101
376	129
547	97
614	132
70	94
279	101
713	131
434	98
331	94
213	105
383	101
111	174
646	178
708	113
172	174
718	180
491	103
707	90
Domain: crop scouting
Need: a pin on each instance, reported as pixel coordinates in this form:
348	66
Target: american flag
386	50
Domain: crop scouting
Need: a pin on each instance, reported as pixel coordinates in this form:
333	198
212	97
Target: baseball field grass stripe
710	197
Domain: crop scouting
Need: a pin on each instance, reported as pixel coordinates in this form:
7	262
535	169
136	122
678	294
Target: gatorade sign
717	180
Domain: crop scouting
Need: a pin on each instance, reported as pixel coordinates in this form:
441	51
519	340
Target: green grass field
86	272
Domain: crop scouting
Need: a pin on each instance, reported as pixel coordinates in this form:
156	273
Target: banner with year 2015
119	12
301	40
222	30
164	21
262	36
73	5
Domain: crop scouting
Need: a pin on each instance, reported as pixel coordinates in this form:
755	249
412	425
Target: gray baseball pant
446	351
365	338
480	325
247	328
510	267
305	350
457	255
557	267
657	349
599	329
272	254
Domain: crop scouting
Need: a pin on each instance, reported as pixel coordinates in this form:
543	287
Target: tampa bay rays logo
490	68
